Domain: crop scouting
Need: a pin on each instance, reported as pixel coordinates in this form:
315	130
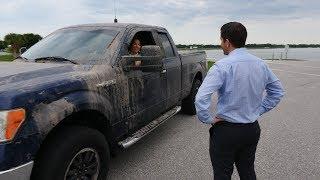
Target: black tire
188	106
66	148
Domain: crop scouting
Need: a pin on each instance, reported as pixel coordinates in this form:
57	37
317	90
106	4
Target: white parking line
294	65
318	75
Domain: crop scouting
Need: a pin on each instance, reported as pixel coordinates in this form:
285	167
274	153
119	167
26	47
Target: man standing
240	80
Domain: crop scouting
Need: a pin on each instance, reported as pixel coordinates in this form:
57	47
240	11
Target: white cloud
274	21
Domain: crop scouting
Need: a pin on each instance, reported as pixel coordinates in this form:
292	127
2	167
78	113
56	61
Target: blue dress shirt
240	80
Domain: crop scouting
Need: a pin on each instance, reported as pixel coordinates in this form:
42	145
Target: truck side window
168	50
145	38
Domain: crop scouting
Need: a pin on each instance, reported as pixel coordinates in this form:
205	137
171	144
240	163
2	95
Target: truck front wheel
73	153
188	106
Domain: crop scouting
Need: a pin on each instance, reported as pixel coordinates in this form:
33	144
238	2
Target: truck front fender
47	116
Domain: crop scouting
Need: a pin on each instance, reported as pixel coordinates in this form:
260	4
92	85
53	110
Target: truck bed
190	61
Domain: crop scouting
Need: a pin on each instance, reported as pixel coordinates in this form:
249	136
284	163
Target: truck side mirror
146	63
150	50
150	60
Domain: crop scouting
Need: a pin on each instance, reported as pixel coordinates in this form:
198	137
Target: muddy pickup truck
78	96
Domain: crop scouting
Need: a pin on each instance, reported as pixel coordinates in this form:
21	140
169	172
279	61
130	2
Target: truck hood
26	82
14	72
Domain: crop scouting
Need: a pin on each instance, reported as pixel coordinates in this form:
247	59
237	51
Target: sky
188	21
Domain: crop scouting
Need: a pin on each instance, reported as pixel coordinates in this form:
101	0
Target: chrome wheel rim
84	165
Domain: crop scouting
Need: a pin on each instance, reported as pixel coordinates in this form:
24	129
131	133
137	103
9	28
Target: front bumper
22	172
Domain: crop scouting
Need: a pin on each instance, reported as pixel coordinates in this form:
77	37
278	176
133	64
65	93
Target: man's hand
216	119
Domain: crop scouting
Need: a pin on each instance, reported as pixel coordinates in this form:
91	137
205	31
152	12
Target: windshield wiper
55	58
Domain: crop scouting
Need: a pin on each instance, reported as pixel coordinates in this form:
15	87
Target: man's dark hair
235	32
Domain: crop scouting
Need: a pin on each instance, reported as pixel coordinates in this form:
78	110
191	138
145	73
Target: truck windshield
79	45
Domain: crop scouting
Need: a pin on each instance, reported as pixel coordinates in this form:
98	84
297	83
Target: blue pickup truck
77	96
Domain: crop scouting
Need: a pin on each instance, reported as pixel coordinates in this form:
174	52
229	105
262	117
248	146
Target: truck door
147	90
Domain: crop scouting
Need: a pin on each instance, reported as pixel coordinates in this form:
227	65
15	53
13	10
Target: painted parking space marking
294	65
309	74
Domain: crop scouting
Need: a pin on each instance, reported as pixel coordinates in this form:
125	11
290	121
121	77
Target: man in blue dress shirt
240	79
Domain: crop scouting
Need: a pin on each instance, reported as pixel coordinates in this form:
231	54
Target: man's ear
228	43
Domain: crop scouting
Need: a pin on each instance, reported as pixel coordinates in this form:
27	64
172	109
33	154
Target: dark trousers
233	143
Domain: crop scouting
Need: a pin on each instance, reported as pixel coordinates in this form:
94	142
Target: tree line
16	41
268	45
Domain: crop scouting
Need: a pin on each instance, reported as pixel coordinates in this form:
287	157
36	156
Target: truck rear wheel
188	106
73	153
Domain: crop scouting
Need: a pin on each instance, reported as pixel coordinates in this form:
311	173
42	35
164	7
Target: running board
148	128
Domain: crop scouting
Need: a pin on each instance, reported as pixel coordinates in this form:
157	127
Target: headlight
10	121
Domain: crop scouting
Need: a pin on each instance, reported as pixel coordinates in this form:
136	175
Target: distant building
286	49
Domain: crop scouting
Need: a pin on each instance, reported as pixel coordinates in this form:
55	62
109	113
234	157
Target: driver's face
136	47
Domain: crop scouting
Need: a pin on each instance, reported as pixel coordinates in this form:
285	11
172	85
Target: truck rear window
168	50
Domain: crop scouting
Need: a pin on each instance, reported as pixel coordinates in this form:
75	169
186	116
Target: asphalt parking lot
289	146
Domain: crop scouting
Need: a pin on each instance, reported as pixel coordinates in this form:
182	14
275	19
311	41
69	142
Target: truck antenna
115	12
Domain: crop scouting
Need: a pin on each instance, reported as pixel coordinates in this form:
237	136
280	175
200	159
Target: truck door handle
163	71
